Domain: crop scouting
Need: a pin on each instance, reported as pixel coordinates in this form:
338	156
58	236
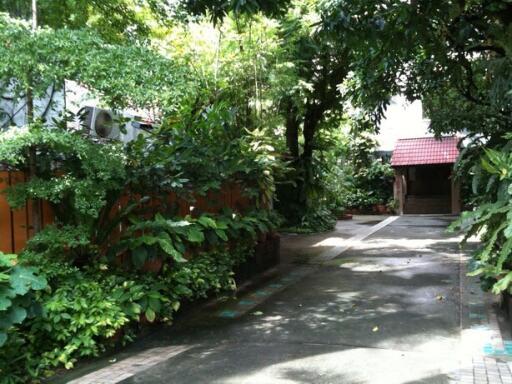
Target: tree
124	75
218	10
318	65
455	56
113	20
301	85
34	61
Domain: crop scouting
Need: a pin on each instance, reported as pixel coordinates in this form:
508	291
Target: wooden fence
16	226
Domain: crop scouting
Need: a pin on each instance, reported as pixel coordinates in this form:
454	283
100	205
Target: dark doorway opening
428	189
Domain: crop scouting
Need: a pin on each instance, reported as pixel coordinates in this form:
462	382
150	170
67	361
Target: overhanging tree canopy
124	75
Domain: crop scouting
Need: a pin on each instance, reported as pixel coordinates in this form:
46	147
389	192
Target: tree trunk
37	215
309	135
312	118
292	131
37	221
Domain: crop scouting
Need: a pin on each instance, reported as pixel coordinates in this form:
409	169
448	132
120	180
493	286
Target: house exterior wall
402	119
426	190
48	107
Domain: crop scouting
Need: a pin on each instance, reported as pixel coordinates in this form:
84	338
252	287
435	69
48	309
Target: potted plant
381	209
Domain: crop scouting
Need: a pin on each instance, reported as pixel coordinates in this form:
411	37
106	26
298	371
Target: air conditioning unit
105	124
100	123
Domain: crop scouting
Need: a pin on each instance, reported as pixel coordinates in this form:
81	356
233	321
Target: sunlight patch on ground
353	366
474	339
413	244
331	242
369	266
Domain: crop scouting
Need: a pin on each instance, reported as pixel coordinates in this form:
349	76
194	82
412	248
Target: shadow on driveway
384	312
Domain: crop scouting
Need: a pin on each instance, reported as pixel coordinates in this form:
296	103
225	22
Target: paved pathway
394	308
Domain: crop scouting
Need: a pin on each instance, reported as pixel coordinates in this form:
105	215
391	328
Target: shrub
491	219
85	308
18	285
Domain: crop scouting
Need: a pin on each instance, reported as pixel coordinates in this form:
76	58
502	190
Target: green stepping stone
228	314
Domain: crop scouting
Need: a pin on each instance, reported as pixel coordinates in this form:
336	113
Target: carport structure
424	182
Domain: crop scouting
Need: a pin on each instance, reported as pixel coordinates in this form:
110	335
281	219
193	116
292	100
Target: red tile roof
427	150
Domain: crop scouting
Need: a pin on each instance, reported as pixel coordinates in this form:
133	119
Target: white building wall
55	103
48	107
402	120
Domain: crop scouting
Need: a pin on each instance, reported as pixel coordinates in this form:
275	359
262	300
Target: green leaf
159	217
16	315
222	234
476	272
7	260
504	254
508	231
488	167
171	251
148	240
4	277
23	279
178	224
150	315
154	304
4	303
502	283
207	222
139	256
3	338
133	309
194	235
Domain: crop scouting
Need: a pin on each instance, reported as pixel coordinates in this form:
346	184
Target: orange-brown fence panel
20	217
6	235
16	226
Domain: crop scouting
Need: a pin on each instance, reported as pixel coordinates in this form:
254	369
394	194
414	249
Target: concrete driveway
388	310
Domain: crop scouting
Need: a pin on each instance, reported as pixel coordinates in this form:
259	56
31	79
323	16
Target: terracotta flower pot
153	265
381	208
117	337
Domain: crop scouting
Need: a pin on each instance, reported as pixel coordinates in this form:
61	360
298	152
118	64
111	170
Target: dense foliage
491	219
368	178
114	20
127	75
90	307
275	99
17	284
102	281
118	254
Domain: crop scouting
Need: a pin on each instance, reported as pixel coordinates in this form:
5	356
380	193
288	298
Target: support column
399	190
456	204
